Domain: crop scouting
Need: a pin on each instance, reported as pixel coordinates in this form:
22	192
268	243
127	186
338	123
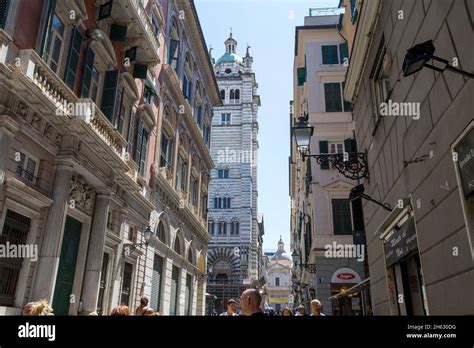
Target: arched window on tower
222	94
232	94
237	94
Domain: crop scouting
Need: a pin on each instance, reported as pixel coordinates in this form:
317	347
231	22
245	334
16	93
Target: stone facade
411	158
83	105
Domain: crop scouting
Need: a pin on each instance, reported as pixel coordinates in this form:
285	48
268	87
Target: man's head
250	301
144	301
231	306
301	310
316	307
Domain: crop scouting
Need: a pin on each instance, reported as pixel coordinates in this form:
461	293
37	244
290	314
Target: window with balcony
27	167
90	77
155	26
277	281
341	216
55	44
198	112
166	152
225	119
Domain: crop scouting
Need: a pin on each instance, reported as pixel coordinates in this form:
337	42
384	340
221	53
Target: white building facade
233	221
327	218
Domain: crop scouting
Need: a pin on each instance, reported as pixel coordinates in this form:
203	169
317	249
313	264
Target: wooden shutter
118	33
131	124
301	72
144	152
341	217
347	104
332	96
109	93
323	148
343	52
138	146
87	76
73	58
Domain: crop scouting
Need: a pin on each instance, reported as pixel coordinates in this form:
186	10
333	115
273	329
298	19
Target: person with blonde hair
287	312
37	308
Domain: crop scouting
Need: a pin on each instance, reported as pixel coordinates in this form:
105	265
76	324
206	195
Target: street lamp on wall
130	248
352	165
309	267
417	57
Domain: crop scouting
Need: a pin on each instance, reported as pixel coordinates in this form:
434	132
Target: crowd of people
250	305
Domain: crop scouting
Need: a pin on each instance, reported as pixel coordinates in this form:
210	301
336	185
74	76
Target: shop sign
401	243
465	161
345	275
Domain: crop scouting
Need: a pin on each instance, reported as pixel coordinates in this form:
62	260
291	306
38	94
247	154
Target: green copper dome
229	58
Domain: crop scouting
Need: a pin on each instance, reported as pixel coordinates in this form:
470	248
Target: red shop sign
346	276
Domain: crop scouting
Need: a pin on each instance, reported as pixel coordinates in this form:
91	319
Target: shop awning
352	289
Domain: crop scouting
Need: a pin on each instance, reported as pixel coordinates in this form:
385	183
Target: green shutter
348	145
323	148
118	33
329	54
347	104
73	58
144	152
138	146
131	123
87	76
332	97
343	53
301	72
109	93
341	217
3	12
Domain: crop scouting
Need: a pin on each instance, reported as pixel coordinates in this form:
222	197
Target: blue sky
268	26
